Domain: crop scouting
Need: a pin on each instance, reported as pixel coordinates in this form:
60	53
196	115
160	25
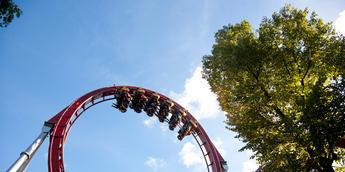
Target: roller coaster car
176	118
186	129
122	99
152	104
164	110
139	100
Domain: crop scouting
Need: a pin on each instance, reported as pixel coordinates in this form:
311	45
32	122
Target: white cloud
339	23
192	157
250	165
155	163
197	97
218	144
163	127
149	122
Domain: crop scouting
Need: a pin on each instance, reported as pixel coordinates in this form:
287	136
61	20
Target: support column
25	157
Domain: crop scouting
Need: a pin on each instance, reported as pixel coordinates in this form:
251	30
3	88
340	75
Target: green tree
282	88
8	10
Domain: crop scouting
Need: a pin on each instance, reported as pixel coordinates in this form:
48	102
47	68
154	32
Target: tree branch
287	69
305	74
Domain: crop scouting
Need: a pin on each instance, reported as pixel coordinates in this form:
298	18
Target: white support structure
25	157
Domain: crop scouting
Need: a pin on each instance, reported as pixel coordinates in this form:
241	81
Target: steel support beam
25	157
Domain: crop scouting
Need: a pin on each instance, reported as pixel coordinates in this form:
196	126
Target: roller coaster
124	97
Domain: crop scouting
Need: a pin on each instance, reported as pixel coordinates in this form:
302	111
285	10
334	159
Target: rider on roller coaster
152	104
139	100
164	110
186	129
176	118
122	99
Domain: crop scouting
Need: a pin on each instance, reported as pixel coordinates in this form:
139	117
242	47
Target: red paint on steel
64	120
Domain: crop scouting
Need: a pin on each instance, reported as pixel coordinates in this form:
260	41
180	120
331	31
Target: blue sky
59	50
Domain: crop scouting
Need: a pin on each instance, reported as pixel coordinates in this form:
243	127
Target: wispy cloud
155	163
163	127
339	23
197	97
205	18
149	122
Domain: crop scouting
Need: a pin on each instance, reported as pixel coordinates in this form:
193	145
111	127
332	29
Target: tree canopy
283	88
8	10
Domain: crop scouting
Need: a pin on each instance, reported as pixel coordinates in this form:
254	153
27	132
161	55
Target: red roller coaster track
59	126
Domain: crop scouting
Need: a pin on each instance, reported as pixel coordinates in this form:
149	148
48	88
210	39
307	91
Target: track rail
64	120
